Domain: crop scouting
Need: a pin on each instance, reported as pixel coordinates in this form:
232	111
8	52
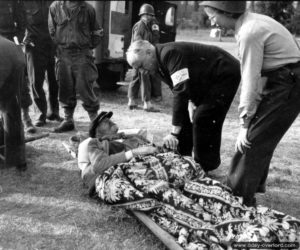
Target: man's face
148	18
107	127
146	63
216	18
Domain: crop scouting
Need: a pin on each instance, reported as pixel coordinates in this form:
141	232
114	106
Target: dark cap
227	6
97	121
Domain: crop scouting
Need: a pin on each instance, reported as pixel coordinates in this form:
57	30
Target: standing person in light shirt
270	92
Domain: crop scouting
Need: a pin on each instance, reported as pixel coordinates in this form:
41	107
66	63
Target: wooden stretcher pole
37	137
165	237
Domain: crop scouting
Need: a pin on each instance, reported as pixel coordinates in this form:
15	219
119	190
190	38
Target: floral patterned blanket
198	211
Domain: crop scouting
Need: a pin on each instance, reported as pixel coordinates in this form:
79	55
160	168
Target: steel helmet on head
146	9
235	7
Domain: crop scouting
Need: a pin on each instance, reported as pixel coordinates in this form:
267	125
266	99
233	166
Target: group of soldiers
204	80
55	38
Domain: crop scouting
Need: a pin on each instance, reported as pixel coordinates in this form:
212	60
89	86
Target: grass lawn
46	207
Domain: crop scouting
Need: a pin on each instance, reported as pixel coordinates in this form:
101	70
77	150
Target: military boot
67	124
28	127
92	115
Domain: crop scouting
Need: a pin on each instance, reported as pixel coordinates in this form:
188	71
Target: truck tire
107	79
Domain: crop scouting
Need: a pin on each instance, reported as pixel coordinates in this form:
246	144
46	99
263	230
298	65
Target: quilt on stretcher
198	211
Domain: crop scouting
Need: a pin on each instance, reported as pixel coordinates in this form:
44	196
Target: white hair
137	51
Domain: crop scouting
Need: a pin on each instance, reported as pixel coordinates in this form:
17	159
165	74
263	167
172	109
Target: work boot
28	127
54	117
67	124
92	115
132	104
148	107
41	121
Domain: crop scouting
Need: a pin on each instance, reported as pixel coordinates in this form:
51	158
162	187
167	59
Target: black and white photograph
149	125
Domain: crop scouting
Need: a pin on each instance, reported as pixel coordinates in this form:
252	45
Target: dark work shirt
191	69
37	23
12	19
76	29
143	31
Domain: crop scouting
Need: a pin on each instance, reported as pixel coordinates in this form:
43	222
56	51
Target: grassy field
46	207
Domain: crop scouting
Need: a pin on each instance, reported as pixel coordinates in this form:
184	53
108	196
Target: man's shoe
151	109
157	99
65	126
40	122
54	117
22	167
131	107
28	127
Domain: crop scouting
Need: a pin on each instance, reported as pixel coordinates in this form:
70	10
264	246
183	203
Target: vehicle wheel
107	79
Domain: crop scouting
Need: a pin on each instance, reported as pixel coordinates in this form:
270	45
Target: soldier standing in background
12	24
39	50
75	31
145	29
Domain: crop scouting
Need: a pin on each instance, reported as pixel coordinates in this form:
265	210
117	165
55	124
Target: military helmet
146	9
227	6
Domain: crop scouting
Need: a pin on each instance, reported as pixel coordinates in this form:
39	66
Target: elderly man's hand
170	141
144	150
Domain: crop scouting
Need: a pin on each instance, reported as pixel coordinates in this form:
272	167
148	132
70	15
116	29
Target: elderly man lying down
201	213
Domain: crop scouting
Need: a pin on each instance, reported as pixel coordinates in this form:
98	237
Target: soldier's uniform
12	65
143	30
12	24
40	59
76	32
12	19
209	77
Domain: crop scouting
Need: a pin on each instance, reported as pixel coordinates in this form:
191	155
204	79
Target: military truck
117	18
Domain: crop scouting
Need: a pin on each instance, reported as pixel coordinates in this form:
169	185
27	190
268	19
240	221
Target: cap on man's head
97	121
235	7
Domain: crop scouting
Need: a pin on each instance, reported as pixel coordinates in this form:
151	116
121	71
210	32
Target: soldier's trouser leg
53	87
14	135
26	100
66	81
85	74
14	132
134	87
278	109
67	92
36	67
145	86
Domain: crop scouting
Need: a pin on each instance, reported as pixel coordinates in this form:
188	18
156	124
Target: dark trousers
26	100
155	86
140	80
204	135
12	122
278	109
39	61
76	74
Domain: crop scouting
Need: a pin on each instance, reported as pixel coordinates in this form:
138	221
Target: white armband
180	76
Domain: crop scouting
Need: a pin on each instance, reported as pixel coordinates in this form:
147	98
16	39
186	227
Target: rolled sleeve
251	51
